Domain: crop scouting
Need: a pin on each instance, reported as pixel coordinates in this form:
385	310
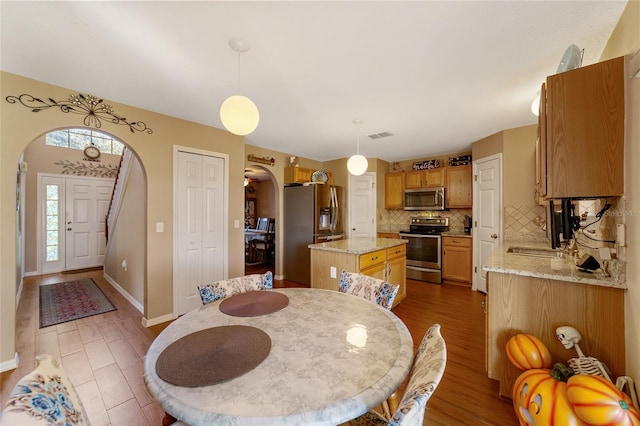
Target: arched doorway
66	193
261	201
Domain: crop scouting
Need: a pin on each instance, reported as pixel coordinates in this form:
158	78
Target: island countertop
561	269
358	245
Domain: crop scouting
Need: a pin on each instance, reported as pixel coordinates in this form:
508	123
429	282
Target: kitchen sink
534	251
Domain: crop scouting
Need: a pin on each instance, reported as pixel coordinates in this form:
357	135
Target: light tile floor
103	355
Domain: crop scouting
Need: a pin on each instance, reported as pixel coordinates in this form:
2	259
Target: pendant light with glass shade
357	164
238	113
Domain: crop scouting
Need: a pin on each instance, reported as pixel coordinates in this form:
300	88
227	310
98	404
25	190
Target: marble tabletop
333	357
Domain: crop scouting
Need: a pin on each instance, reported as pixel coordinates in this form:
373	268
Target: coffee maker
467	224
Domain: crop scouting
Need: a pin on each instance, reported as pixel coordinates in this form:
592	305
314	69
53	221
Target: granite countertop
558	268
455	233
358	245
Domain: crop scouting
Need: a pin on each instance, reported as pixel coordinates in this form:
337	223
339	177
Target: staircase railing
116	194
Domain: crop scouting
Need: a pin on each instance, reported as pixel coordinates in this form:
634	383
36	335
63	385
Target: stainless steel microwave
424	199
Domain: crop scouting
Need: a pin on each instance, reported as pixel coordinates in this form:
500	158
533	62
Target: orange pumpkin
526	352
598	402
539	399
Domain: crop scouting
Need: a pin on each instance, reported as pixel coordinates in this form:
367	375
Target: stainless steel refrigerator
312	214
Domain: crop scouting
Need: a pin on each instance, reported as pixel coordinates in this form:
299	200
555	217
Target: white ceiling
437	74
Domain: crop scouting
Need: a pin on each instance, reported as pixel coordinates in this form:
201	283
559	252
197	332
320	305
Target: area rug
71	300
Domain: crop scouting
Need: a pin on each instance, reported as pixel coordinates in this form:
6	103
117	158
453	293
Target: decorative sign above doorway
94	109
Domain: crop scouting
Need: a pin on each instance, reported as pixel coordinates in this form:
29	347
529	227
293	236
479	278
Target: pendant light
239	114
357	164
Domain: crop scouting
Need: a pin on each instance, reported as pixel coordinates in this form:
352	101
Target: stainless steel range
424	249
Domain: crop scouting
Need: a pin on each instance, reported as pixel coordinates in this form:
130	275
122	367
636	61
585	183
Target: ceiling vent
380	135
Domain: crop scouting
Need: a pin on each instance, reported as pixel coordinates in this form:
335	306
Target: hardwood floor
103	354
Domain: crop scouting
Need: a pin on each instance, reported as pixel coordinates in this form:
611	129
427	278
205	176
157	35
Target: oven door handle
419	236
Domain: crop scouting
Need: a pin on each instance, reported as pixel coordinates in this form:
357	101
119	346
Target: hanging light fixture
238	113
357	164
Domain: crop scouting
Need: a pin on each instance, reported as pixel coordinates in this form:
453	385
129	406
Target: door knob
494	236
69	229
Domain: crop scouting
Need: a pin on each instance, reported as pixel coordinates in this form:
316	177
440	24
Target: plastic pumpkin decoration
526	352
540	398
598	402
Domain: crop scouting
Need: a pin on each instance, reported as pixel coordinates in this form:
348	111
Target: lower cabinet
457	260
388	264
537	306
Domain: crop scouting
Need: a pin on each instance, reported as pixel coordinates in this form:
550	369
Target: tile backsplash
396	220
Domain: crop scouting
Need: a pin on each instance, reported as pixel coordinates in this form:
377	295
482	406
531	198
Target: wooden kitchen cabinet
387	264
396	272
427	178
457	259
537	306
393	190
301	175
388	235
581	132
458	191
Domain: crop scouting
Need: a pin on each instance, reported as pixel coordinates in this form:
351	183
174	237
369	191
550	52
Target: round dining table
333	356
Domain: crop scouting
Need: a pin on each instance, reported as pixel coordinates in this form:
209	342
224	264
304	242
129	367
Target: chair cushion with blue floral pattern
370	288
44	397
220	289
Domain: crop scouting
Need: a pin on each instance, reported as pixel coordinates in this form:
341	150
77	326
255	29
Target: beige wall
625	40
127	241
20	127
519	165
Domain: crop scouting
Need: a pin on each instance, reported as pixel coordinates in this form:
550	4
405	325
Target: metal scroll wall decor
94	109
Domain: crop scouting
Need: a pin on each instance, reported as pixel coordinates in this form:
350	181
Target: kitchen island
535	295
383	258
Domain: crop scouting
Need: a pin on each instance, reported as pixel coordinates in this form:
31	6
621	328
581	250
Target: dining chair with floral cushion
427	371
224	288
370	288
45	396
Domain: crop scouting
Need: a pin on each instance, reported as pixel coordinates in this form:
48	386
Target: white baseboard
9	365
278	277
123	292
156	320
32	274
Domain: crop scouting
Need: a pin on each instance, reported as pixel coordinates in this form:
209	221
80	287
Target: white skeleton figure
569	337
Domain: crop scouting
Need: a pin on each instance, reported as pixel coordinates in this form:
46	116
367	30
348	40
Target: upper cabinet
459	189
393	190
580	148
300	175
427	178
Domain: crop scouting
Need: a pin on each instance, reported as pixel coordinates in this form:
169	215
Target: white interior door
86	204
487	214
362	206
199	199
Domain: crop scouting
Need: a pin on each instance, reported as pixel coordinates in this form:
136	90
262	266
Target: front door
87	201
362	206
199	225
487	214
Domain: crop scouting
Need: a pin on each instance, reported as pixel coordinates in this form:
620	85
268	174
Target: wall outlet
236	223
333	272
159	226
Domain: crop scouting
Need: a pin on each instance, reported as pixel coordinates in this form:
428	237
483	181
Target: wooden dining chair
427	371
370	288
264	247
220	289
